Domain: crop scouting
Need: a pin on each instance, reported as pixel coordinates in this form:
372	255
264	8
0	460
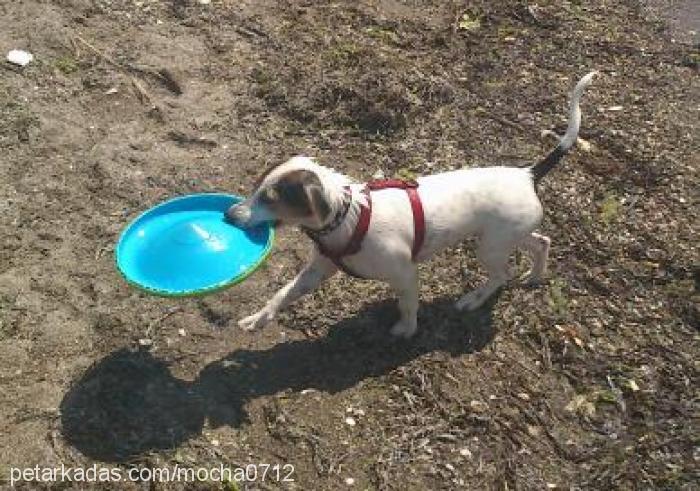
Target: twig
163	75
532	371
507	122
546	353
565	452
251	31
170	312
145	97
185	139
335	465
141	92
99	53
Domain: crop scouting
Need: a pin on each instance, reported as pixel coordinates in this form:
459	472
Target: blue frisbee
185	247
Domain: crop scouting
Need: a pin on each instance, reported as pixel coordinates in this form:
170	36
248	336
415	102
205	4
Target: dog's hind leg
406	288
538	247
493	253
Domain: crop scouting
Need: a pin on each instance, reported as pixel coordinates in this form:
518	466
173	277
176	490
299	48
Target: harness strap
418	221
355	243
411	188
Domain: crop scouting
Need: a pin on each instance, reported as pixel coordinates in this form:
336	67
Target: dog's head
293	193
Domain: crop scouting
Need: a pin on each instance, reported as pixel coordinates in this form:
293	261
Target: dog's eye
269	195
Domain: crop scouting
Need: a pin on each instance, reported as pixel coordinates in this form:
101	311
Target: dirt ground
588	382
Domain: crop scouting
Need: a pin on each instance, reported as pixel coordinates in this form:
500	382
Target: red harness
355	243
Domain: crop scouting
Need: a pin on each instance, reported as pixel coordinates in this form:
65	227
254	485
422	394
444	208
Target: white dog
383	234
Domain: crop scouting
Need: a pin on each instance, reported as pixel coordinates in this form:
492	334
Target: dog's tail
540	169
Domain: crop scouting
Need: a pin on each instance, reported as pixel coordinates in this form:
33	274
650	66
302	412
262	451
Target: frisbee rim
216	287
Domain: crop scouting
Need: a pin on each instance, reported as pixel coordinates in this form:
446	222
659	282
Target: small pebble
355	411
350	421
19	57
349	481
478	406
465	452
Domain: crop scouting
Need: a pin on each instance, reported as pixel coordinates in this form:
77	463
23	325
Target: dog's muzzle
238	215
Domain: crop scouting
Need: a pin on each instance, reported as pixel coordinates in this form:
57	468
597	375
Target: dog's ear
318	201
302	191
316	198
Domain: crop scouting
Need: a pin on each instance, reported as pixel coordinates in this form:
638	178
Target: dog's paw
255	321
403	330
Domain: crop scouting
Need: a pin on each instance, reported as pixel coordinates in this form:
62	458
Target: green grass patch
610	209
558	301
66	65
383	34
345	53
230	486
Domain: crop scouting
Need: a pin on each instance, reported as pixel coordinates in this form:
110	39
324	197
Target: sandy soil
588	382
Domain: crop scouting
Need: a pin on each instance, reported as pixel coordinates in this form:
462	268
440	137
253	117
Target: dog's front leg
308	279
406	287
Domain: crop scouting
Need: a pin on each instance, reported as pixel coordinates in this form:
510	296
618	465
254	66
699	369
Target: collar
337	219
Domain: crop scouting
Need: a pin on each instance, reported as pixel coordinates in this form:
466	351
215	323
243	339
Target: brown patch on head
292	188
296	195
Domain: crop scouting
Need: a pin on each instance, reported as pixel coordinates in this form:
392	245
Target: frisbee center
189	234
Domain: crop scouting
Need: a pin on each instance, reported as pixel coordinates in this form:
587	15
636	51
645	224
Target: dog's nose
238	214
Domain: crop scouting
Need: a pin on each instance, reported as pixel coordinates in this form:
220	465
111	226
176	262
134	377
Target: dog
497	205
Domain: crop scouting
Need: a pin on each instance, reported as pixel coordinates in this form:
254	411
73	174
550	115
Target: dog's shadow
129	403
